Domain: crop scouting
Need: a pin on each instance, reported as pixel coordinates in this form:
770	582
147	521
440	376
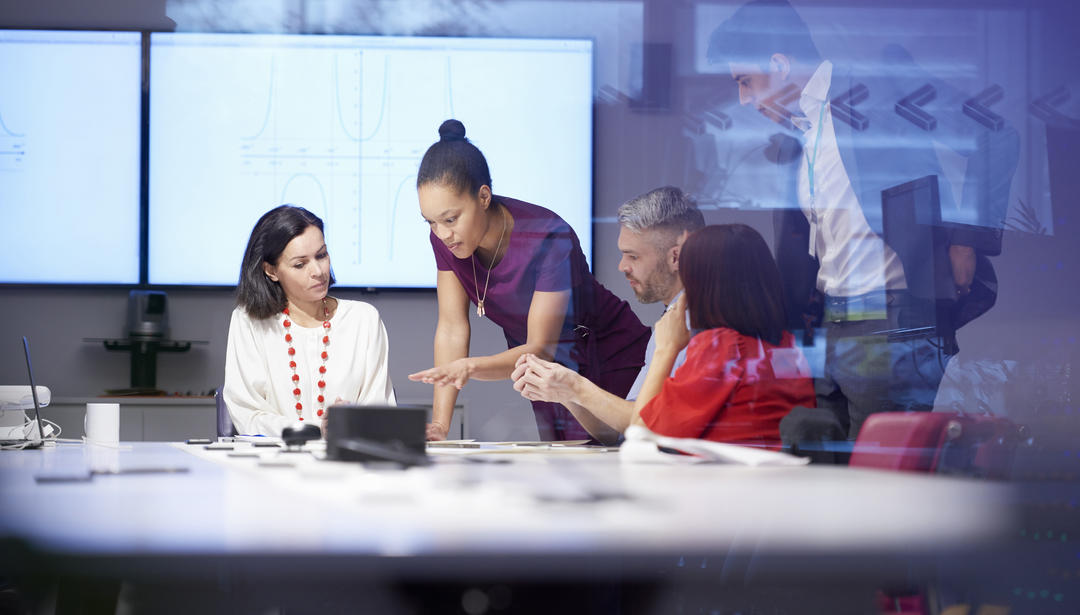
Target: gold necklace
479	299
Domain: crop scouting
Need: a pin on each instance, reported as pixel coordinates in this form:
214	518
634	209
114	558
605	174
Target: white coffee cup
102	423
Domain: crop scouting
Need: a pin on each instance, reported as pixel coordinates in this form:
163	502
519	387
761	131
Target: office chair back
225	427
942	442
816	433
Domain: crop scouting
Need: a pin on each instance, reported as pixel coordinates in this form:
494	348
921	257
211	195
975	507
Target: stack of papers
645	446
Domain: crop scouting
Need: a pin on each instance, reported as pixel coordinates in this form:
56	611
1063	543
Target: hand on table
436	431
326	415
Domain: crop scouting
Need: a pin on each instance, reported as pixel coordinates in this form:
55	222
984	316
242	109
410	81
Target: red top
732	388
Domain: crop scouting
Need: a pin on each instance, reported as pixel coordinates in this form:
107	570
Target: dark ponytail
454	161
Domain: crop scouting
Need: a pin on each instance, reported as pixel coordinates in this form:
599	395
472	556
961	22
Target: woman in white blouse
293	350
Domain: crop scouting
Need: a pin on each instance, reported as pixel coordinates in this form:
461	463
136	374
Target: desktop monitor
913	209
70	130
241	123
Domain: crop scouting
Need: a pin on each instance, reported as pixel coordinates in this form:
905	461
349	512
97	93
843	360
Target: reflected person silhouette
890	299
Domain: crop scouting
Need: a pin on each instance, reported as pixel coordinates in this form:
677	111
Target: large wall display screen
70	126
241	123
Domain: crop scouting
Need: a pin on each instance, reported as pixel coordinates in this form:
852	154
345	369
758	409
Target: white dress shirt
853	259
258	380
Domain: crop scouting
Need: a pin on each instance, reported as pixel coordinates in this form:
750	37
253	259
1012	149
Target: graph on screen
242	123
12	147
69	156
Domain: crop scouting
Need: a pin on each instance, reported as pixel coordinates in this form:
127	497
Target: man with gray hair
653	228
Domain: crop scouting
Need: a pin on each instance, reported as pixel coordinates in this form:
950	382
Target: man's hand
540	380
963	268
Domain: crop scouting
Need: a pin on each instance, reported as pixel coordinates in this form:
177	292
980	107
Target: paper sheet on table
258	439
540	443
643	446
515	448
450	443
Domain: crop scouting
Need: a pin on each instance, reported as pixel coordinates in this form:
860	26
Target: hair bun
452	130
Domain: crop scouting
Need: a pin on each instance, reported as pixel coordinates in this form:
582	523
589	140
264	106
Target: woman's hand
540	380
436	431
670	331
455	373
326	416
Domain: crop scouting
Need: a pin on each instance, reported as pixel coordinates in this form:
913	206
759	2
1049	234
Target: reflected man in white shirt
890	299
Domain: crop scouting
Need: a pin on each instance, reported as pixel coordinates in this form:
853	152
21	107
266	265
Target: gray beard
651	291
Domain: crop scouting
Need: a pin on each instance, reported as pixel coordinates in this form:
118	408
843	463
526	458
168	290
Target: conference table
488	515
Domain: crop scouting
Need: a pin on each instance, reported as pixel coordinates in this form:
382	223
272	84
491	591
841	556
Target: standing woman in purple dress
522	266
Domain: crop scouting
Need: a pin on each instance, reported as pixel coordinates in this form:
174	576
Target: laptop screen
33	392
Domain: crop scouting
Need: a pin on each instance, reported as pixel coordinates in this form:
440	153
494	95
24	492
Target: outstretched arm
546	315
451	344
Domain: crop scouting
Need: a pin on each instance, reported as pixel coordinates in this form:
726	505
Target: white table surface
537	504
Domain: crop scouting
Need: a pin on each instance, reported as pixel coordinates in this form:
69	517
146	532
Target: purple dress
602	339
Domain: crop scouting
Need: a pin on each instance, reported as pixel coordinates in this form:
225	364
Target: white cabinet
161	419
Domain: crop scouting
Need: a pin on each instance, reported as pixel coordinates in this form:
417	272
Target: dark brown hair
255	292
759	29
732	281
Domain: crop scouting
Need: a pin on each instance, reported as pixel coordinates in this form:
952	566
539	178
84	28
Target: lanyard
809	162
810	177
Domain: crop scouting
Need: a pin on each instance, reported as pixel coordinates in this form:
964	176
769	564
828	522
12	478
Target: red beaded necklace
322	368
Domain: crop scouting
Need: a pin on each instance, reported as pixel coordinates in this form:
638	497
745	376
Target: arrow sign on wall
774	106
1045	109
842	107
719	119
978	108
910	107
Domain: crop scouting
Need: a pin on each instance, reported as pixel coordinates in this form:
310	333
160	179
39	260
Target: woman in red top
743	371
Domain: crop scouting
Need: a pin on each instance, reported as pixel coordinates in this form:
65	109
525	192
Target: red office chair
941	442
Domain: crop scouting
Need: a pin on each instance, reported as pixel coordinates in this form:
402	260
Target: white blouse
258	380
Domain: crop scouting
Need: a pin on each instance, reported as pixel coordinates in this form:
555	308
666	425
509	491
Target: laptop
33	439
